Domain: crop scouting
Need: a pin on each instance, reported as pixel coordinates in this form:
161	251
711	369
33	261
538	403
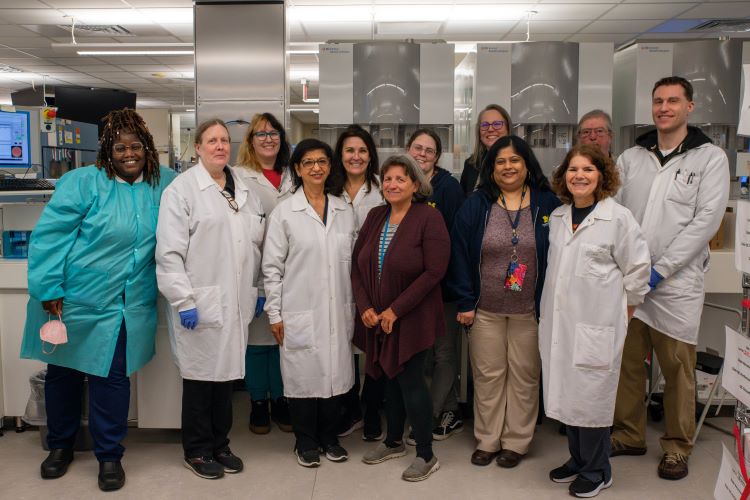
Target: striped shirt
386	236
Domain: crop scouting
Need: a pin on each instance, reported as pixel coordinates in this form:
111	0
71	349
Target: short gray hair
413	171
596	113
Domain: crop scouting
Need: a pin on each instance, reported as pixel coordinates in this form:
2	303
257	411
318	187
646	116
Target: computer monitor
15	139
90	105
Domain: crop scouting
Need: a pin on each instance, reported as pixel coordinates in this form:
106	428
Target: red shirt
273	177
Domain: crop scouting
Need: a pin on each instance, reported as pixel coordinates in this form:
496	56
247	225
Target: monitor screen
90	105
15	145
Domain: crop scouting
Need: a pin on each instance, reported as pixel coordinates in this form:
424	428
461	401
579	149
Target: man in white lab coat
676	184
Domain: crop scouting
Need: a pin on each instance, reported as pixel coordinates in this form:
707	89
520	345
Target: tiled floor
154	470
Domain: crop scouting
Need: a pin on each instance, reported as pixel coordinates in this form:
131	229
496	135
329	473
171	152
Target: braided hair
127	121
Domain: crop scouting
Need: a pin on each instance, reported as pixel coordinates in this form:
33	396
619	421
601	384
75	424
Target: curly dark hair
338	172
610	177
127	121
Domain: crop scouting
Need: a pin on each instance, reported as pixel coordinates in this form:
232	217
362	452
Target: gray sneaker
381	453
419	470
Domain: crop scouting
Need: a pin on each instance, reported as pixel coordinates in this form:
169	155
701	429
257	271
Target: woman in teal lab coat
91	261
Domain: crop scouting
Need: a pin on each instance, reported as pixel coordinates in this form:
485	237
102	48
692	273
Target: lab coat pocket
594	346
257	229
683	192
345	245
86	286
594	261
208	303
298	330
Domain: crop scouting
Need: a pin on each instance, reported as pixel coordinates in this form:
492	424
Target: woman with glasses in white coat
307	261
209	236
263	164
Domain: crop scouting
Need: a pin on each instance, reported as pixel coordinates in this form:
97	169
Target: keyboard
25	185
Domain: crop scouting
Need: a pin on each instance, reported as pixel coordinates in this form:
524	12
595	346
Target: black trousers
315	421
206	417
373	393
589	452
407	395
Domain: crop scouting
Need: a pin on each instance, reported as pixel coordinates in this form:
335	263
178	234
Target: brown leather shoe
481	457
673	466
508	459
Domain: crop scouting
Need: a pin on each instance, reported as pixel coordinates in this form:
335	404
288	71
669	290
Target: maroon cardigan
415	262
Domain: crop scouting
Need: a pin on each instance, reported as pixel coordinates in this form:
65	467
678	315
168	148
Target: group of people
284	269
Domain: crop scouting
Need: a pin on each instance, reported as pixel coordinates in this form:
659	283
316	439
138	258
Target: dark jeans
407	395
373	393
315	421
109	400
206	417
589	452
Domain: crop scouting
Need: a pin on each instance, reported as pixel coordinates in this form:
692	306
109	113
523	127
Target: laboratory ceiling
37	36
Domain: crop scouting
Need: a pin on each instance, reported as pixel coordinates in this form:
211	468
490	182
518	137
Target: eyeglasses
273	135
309	163
599	132
230	199
496	125
419	149
135	147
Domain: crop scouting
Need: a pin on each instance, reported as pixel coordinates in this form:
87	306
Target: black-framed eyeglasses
273	135
230	199
497	125
321	162
135	147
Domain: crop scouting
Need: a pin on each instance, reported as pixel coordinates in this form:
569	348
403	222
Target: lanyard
381	256
514	223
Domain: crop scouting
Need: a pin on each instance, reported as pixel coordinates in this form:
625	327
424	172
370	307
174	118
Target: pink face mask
53	332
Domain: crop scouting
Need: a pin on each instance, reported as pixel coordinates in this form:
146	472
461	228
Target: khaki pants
504	351
677	362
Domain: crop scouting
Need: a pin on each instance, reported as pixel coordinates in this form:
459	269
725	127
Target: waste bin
36	413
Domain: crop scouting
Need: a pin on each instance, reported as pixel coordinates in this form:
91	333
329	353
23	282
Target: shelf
34	192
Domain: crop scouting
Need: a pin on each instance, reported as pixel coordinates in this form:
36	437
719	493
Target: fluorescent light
412	13
488	12
330	13
135	52
301	52
190	109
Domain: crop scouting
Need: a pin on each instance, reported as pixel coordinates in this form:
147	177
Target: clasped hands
386	319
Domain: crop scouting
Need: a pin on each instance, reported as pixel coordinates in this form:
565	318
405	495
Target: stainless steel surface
544	82
436	67
595	75
336	90
714	68
386	82
239	52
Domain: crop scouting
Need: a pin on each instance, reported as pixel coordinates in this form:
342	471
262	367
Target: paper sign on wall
736	376
742	237
729	484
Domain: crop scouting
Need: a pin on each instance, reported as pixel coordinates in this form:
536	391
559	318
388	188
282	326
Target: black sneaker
410	440
336	453
205	467
583	488
562	474
309	458
232	463
349	426
450	424
373	429
260	420
280	414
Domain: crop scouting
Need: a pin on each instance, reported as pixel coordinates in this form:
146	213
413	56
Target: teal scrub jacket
94	247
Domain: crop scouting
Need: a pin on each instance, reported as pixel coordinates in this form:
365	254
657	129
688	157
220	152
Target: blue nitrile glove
189	318
655	278
259	306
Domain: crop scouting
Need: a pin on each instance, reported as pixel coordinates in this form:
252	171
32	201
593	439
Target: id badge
514	276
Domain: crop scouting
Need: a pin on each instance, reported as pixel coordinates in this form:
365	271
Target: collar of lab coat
123	181
299	202
602	210
205	181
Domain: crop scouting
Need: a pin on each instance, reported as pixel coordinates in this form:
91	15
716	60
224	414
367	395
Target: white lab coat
679	213
592	275
307	277
363	202
208	257
259	332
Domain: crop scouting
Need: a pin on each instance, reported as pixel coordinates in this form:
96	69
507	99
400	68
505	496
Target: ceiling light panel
328	13
412	13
